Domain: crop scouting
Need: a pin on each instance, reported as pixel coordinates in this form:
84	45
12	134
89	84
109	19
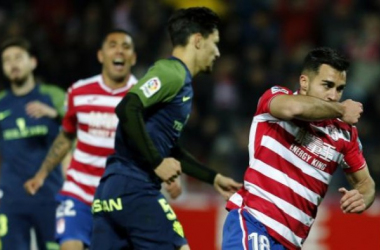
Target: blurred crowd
263	43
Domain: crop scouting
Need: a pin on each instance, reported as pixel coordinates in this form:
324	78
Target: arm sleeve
69	122
353	159
266	98
192	167
130	114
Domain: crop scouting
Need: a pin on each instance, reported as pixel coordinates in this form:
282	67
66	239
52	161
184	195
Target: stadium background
262	44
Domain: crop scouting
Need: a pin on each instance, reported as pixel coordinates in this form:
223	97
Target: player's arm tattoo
61	146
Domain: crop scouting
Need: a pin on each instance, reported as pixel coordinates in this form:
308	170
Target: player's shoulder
277	89
169	70
86	81
50	89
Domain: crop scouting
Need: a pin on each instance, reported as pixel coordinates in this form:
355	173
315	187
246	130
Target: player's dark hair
324	55
185	22
17	42
115	31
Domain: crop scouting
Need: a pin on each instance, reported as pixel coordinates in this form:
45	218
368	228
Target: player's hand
174	189
38	109
168	170
352	201
352	111
34	184
226	186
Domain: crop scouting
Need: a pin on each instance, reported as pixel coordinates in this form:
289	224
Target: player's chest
17	123
320	147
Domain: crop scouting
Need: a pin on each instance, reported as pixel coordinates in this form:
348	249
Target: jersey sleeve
57	96
69	122
161	83
266	98
353	159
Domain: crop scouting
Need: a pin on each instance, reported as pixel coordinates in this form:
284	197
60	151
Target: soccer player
129	210
30	114
297	141
90	118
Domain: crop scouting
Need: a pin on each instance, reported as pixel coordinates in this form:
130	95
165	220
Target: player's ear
304	83
100	56
34	62
197	40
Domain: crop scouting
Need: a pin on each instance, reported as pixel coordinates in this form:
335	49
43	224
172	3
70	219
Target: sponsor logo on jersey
107	205
333	132
24	131
277	89
61	226
151	87
4	114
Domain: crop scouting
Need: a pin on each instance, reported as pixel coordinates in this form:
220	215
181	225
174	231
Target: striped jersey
291	165
91	115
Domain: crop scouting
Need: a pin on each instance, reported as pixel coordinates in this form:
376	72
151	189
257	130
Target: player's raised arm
310	108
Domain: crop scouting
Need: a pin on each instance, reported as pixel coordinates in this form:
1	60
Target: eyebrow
327	81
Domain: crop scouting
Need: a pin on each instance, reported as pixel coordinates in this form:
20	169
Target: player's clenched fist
352	111
168	170
33	185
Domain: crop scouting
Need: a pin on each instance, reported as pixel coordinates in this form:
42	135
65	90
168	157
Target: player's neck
187	57
112	84
24	88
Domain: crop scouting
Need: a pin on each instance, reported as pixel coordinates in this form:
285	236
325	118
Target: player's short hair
17	42
185	22
324	55
115	31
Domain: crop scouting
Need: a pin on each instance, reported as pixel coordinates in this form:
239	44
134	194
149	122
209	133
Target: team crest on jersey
151	87
61	226
277	89
333	132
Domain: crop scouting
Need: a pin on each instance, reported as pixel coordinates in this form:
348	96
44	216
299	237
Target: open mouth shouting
118	63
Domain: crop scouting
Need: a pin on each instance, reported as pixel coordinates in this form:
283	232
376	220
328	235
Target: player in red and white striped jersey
91	119
296	143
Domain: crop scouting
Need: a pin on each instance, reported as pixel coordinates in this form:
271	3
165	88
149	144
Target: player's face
18	65
117	56
209	52
328	84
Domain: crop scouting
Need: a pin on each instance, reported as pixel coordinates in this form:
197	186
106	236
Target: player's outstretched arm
361	196
224	185
60	147
310	108
130	113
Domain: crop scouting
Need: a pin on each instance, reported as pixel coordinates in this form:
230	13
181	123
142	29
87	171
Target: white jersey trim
97	100
276	226
285	206
284	179
83	178
71	187
89	159
102	142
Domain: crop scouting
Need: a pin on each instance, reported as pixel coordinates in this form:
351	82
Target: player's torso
25	141
93	105
165	121
295	162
